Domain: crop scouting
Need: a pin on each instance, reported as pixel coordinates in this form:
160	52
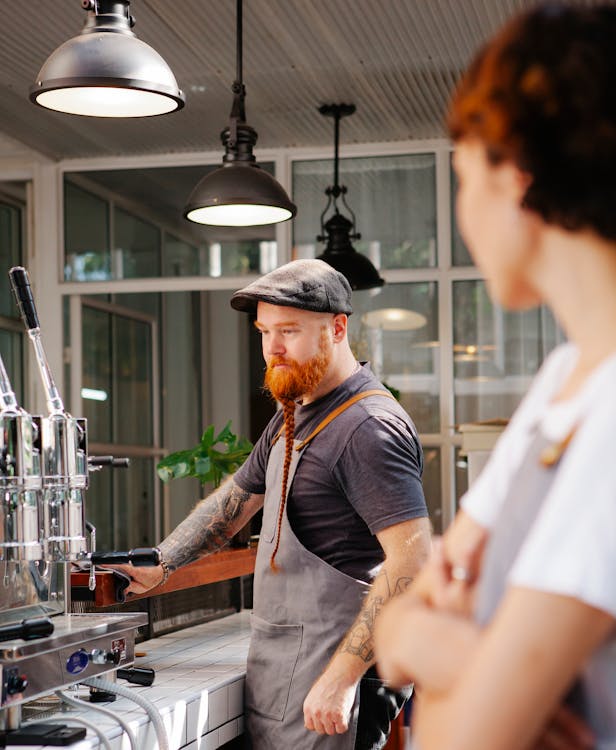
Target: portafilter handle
29	629
140	557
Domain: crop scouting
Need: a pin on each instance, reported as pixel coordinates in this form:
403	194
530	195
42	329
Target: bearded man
337	472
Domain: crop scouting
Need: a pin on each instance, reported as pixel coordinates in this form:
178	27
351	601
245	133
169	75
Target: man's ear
340	326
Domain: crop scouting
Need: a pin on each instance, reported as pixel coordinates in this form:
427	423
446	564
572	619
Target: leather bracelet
165	566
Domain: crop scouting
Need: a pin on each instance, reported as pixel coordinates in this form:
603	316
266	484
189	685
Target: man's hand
327	708
142	579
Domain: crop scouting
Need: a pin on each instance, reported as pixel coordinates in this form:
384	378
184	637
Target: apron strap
333	414
336	412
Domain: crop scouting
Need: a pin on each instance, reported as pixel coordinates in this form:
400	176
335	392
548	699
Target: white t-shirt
570	548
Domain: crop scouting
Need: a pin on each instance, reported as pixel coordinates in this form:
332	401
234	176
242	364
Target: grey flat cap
308	284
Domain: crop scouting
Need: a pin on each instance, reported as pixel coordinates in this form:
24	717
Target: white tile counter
198	689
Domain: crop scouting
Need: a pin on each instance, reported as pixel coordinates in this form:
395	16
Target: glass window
147	206
117	400
96	382
392	197
11	328
396	329
431	481
134	500
86	235
459	252
495	353
179	257
136	247
12	353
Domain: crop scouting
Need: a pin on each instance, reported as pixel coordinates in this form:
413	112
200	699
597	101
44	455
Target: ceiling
396	60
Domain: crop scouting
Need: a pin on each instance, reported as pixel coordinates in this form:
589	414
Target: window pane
132	381
394	201
179	257
407	360
459	252
120	505
10	255
496	353
96	383
136	247
432	486
148	205
460	475
86	235
134	519
11	351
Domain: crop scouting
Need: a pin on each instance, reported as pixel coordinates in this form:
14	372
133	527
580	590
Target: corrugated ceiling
396	60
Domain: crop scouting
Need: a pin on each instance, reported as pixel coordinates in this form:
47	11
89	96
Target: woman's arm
518	671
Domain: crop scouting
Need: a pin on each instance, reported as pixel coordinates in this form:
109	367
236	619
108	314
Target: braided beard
295	380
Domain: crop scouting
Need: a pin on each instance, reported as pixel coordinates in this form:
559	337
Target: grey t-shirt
361	474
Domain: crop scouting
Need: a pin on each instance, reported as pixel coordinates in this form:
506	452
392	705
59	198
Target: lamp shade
238	194
340	253
107	72
394	319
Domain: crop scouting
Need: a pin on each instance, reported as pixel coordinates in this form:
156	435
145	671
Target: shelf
219	566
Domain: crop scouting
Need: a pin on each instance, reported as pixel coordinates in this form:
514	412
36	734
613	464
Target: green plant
206	461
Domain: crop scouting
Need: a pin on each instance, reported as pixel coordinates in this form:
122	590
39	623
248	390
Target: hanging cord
78	703
147	705
288	412
79	720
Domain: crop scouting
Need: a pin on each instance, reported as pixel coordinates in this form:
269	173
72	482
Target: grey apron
518	513
300	615
593	695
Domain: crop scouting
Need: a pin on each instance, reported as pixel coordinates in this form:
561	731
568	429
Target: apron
300	615
519	511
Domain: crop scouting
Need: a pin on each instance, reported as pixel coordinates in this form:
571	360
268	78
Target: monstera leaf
210	460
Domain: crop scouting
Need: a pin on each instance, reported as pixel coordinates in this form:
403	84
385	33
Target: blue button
77	662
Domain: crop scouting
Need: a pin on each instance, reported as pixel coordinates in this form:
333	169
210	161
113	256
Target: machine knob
100	656
16	683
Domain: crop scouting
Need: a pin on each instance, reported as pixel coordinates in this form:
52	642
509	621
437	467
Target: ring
458	573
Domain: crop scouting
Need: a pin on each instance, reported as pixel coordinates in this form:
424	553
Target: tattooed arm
209	527
328	704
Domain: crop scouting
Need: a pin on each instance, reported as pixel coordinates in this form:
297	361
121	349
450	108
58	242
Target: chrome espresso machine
44	469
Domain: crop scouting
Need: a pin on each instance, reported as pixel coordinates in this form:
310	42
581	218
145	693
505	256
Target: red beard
295	380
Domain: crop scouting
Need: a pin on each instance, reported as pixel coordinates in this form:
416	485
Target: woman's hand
451	585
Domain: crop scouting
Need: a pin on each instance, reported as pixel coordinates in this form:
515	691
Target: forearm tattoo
359	640
208	528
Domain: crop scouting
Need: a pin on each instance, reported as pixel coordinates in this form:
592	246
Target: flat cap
309	284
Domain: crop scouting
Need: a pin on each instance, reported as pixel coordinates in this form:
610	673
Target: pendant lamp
240	193
106	71
338	231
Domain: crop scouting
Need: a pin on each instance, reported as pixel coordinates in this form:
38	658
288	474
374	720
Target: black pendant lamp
338	231
106	71
240	193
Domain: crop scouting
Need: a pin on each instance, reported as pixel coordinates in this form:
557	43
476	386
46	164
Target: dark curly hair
542	94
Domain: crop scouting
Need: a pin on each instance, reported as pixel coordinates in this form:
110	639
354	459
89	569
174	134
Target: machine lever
23	295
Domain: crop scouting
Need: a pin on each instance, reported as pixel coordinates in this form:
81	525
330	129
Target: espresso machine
44	469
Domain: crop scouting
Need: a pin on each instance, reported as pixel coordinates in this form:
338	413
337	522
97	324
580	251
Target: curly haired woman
515	614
